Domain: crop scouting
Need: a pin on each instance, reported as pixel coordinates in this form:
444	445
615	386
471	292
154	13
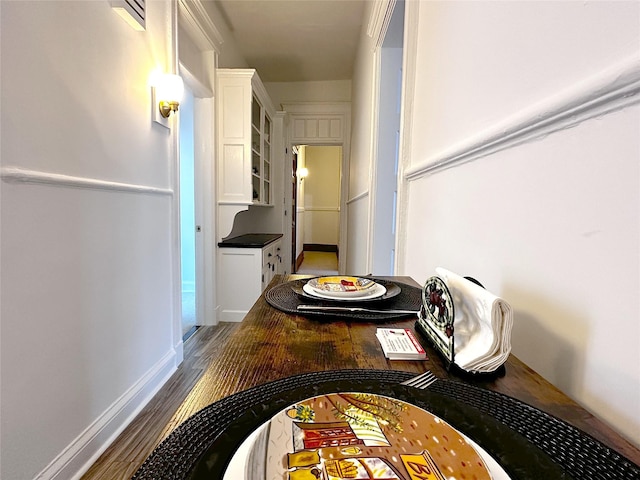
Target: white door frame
203	129
193	19
387	145
378	25
318	124
409	47
343	162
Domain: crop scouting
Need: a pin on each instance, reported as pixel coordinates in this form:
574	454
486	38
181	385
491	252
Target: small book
400	344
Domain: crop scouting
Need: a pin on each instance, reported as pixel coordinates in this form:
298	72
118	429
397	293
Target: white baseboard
80	454
216	316
232	315
179	352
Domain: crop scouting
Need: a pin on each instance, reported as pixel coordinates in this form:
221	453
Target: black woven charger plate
527	443
283	297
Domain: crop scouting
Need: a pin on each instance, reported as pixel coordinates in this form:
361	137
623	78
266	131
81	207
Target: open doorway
187	216
316	220
196	206
294	209
385	183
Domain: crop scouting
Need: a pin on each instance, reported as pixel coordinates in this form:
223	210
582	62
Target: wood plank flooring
160	417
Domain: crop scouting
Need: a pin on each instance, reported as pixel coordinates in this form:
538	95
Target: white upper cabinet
245	133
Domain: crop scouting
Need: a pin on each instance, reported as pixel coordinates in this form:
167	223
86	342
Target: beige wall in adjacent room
322	195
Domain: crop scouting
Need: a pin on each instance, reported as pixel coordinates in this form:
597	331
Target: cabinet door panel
233	186
234	122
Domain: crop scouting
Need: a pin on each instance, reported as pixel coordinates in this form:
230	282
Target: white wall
550	223
86	282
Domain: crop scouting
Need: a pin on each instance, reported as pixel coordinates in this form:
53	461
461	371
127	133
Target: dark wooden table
271	345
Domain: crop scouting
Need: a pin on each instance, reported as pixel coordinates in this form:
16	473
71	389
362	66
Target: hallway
319	263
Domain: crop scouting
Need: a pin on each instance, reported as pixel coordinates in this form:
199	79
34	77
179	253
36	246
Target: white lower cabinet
244	272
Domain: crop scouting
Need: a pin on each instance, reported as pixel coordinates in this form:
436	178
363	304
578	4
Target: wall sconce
167	93
303	173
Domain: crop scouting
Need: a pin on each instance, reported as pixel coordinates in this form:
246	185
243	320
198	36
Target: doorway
316	198
294	209
188	216
385	181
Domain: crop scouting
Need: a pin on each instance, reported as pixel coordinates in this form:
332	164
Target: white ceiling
296	40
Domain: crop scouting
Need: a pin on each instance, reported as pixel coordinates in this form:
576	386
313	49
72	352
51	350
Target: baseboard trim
299	260
233	315
322	209
82	452
319	247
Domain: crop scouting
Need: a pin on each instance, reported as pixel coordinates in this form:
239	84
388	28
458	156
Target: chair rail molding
357	197
21	175
612	89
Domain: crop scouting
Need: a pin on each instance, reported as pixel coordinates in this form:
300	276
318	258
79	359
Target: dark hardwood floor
164	412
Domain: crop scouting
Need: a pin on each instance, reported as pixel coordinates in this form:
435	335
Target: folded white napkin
482	324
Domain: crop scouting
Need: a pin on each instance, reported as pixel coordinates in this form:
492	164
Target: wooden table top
271	344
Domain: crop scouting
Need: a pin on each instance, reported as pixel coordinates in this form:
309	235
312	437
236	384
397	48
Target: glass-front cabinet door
256	148
266	167
260	153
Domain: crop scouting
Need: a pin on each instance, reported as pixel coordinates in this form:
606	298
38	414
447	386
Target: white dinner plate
342	285
374	292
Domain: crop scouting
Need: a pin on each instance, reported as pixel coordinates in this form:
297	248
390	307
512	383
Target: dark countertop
250	240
